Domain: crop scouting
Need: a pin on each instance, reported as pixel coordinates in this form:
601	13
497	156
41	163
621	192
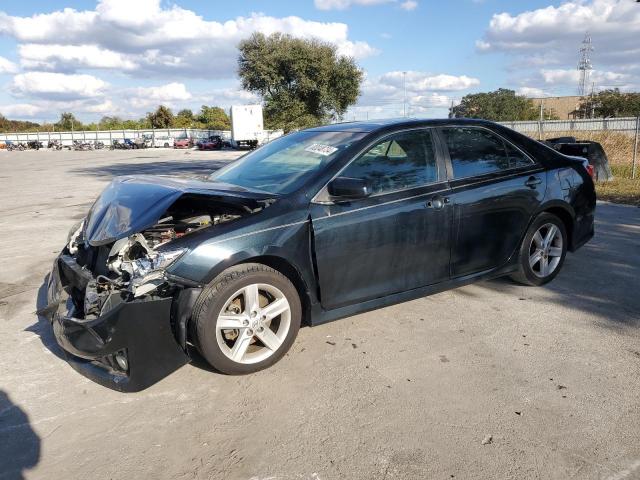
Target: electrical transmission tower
584	65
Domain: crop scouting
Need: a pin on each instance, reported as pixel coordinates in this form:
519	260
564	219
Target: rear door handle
437	202
533	182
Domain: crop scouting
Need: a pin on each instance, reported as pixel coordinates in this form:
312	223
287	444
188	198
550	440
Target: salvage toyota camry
314	226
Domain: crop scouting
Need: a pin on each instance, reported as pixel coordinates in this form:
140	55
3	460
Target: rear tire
542	252
261	311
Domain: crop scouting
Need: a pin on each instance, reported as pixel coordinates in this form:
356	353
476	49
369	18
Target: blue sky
124	57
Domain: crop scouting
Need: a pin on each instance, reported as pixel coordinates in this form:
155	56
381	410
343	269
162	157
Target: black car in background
314	226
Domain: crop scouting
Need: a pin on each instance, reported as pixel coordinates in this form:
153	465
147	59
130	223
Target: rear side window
516	158
475	151
399	162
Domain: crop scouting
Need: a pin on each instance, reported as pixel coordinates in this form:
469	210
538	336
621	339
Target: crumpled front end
127	346
116	312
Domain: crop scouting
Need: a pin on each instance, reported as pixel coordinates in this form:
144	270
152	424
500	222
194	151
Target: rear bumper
139	330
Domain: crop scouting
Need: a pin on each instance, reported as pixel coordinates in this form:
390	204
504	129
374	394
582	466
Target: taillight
590	170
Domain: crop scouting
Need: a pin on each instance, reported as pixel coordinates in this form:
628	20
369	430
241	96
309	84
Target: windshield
285	164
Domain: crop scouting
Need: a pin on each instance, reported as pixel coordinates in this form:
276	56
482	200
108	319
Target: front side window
399	162
475	151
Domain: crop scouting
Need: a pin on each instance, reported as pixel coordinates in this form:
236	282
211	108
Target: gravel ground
492	380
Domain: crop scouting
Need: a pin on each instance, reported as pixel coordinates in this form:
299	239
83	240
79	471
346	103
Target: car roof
396	123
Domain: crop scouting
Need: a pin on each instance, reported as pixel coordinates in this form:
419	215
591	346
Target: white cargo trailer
247	125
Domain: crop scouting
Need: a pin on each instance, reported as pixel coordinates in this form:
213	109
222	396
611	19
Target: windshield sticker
324	150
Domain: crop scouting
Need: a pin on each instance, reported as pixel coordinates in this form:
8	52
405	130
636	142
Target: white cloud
559	76
544	43
409	5
531	92
7	66
57	86
344	4
50	110
167	94
143	38
421	81
21	110
425	93
62	57
613	24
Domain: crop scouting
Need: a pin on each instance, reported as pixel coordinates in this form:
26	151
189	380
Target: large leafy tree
161	118
185	119
500	105
302	82
612	103
68	122
214	118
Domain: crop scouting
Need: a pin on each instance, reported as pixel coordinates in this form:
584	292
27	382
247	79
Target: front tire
543	251
246	319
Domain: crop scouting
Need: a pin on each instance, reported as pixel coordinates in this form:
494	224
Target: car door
495	190
396	239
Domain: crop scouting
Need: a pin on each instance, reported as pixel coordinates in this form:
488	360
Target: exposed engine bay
134	266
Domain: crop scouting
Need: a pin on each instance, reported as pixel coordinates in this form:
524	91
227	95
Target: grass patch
622	189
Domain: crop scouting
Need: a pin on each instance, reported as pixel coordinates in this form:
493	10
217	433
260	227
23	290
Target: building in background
564	108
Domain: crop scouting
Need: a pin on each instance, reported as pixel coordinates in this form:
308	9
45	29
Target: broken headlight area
134	266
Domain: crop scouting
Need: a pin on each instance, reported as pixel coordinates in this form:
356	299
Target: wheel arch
277	262
286	268
566	214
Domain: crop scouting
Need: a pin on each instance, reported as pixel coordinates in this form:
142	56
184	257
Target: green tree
214	118
500	105
161	118
302	82
111	123
612	103
7	125
68	122
185	119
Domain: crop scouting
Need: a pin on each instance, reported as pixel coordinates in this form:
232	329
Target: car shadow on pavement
601	278
19	443
42	326
172	167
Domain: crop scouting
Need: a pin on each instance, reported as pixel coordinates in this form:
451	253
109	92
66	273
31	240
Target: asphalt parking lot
548	377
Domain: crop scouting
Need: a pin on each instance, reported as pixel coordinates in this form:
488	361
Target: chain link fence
109	136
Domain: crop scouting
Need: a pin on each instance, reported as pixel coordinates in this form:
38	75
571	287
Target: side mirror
346	188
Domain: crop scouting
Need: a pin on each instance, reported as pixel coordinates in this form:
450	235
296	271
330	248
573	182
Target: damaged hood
134	203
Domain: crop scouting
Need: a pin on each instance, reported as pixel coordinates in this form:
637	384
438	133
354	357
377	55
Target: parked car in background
130	143
592	151
212	143
163	141
314	226
141	142
184	142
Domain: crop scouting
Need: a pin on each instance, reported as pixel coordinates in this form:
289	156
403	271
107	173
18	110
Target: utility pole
404	87
635	148
541	119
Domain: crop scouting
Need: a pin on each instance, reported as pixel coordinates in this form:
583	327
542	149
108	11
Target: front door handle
437	202
533	182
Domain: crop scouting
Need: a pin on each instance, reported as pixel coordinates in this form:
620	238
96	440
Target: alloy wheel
253	323
545	251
